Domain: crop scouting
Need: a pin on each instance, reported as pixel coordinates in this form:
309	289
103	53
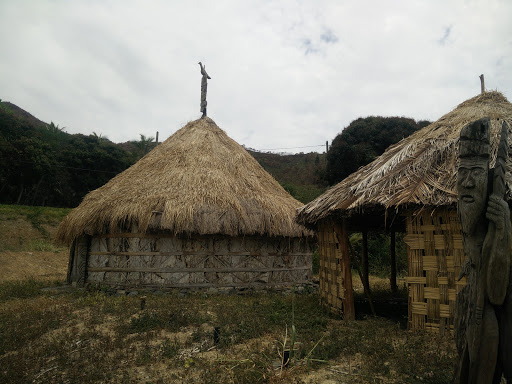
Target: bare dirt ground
29	251
23	265
18	232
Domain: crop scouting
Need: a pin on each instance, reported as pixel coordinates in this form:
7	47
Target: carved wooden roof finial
204	84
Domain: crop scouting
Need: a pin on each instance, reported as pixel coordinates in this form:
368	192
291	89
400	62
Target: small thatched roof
420	170
197	181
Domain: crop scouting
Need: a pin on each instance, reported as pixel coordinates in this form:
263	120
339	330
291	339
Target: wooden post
392	254
482	83
327	146
156	138
357	265
77	270
349	311
364	259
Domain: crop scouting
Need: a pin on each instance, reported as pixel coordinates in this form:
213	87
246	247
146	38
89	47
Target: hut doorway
426	296
345	266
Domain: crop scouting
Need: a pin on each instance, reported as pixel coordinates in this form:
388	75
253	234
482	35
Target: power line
75	168
87	169
307	146
115	173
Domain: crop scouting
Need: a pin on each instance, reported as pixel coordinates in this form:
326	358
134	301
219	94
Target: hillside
49	167
22	114
27	247
302	174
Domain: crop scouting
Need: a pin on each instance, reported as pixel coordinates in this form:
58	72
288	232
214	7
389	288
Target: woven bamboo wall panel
435	256
331	268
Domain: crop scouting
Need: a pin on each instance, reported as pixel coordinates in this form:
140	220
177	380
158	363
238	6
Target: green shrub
169	349
20	289
379	252
146	322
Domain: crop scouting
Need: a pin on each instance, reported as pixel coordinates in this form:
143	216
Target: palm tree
144	145
54	128
99	138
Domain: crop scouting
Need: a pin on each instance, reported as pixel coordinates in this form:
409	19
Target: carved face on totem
473	175
472	179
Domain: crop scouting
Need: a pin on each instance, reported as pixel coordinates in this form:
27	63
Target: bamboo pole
392	254
364	260
348	302
366	287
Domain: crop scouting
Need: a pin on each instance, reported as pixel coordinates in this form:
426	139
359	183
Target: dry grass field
50	333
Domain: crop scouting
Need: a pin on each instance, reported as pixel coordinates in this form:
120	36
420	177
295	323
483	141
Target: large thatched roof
197	181
420	170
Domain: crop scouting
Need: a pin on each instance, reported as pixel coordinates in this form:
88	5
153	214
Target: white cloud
284	74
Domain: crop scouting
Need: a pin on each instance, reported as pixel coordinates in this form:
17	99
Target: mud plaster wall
135	260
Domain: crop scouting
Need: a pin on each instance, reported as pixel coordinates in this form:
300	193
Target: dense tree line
302	175
43	165
364	140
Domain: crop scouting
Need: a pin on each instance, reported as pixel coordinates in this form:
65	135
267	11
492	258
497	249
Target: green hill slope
302	174
49	167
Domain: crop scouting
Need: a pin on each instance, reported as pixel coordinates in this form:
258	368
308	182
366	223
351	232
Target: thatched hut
411	187
197	211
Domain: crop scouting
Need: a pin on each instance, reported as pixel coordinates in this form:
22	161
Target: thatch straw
420	170
197	181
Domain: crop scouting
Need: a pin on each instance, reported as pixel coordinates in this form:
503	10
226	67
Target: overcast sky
285	74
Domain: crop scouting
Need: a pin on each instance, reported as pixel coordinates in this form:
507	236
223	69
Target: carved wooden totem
483	315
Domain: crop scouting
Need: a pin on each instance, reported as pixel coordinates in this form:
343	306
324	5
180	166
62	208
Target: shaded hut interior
410	188
197	211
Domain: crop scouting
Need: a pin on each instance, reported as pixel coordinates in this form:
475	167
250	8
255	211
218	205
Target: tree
99	138
44	165
55	127
143	146
364	140
31	161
